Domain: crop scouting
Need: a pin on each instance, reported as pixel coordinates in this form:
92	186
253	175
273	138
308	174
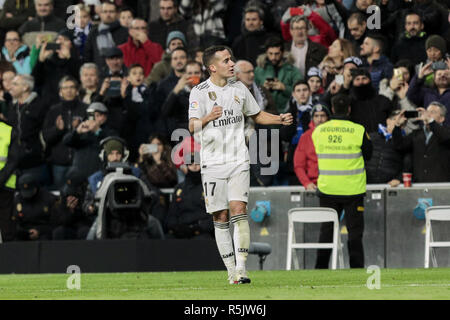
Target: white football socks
225	244
241	239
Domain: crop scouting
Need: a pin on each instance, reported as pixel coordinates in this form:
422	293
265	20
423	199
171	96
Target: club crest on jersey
212	95
194	105
237	100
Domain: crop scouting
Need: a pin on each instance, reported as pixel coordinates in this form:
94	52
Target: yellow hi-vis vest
5	140
341	164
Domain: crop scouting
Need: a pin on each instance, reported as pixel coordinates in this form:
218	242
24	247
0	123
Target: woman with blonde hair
333	63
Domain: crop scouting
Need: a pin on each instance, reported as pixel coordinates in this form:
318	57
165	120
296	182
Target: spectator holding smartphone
156	163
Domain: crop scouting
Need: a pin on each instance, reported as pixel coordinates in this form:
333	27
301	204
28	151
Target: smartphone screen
411	114
53	46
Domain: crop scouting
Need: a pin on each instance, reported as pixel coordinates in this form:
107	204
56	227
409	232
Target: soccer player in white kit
216	110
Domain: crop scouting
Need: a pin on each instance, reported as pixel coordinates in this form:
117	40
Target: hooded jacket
379	69
146	54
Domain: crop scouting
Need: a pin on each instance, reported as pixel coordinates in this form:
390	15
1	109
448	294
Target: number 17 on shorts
219	192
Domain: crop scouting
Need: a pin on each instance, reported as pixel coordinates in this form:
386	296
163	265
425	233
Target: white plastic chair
313	215
438	213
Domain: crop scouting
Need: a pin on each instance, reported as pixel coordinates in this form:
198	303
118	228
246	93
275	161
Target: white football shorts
220	191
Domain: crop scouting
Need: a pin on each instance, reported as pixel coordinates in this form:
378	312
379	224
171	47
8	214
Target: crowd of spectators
125	68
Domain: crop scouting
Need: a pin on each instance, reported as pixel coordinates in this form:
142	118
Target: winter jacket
160	70
146	54
379	69
411	48
386	162
20	10
57	152
22	59
285	72
422	96
369	109
305	159
92	52
26	121
430	161
249	45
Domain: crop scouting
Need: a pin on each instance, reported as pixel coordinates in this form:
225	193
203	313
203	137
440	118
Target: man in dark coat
169	20
25	117
250	43
109	33
62	117
368	108
430	145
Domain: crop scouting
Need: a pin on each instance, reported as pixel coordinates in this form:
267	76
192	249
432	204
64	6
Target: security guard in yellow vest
7	184
342	147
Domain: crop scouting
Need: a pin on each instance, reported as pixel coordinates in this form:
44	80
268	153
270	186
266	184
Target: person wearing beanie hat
139	48
368	108
176	35
436	48
114	150
314	79
305	157
162	69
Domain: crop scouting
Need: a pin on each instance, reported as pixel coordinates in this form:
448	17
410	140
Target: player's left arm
266	118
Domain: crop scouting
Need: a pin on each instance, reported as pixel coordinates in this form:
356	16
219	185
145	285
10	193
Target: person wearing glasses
139	48
16	52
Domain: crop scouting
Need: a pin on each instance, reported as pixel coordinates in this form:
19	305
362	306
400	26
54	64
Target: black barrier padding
110	256
19	257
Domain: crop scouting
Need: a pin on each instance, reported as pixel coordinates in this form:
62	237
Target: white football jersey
222	140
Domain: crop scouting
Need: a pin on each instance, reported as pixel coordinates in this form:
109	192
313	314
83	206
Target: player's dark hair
340	104
209	53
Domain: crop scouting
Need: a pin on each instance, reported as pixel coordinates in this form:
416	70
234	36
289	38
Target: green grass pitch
344	284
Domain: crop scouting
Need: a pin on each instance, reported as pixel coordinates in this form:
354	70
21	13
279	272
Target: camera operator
115	151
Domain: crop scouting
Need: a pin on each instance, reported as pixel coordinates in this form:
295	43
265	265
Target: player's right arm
198	124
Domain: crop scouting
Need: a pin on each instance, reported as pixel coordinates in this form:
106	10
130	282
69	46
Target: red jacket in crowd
305	158
146	54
